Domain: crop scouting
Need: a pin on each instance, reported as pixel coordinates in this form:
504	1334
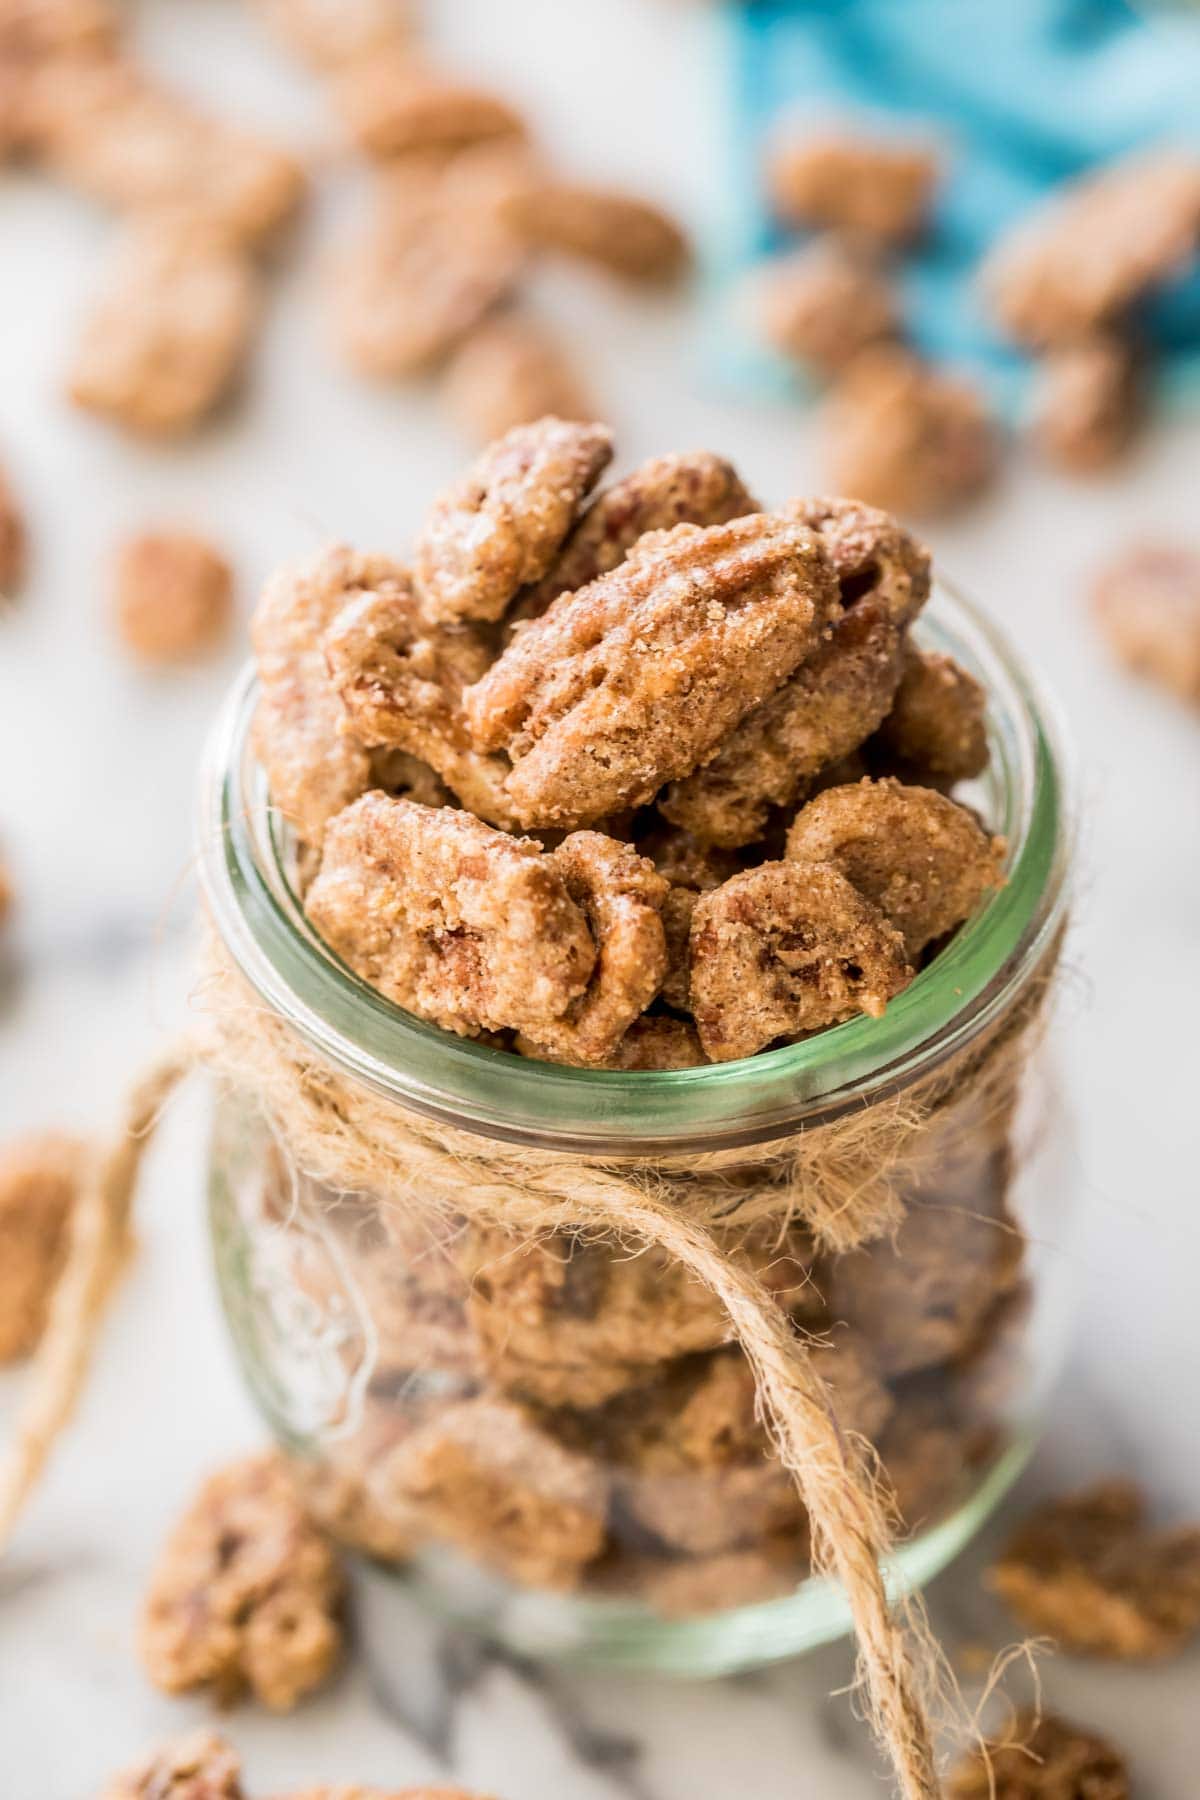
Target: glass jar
555	1442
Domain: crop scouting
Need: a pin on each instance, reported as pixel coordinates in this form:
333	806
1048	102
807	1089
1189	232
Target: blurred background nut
173	596
823	304
619	232
511	370
842	177
1147	604
391	105
333	33
39	1184
1088	401
13	541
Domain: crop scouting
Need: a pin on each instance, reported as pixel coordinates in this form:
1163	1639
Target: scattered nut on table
173	596
1146	602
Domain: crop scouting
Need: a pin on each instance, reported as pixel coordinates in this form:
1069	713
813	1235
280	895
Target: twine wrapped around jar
843	1179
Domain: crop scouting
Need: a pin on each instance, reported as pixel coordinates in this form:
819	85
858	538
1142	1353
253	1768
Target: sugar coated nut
401	680
787	948
1095	247
511	370
393	105
841	177
655	1042
1146	601
1090	1572
169	331
201	1766
461	924
40	1179
907	436
502	525
823	304
620	232
1089	399
246	1593
921	859
692	488
173	595
633	680
1043	1757
937	725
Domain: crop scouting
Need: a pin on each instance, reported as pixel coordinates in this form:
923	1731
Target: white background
96	772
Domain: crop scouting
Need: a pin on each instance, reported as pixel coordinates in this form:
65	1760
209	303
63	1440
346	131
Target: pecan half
621	232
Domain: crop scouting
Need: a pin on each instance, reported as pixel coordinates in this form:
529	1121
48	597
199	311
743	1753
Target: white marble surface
95	794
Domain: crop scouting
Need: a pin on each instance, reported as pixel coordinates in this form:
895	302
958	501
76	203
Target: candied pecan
1147	604
1089	399
313	768
620	894
392	105
678	910
636	678
407	777
461	924
773	956
39	1183
1042	1757
173	595
502	525
844	178
659	1043
110	129
488	1479
871	553
245	1594
201	1766
906	436
1095	247
695	488
342	1491
691	867
430	265
34	29
937	725
926	1295
511	370
13	541
401	682
823	304
332	34
1089	1571
621	232
920	858
169	332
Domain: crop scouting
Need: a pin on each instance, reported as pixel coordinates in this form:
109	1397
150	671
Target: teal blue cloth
1024	94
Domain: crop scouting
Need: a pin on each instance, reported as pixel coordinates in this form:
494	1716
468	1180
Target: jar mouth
1024	795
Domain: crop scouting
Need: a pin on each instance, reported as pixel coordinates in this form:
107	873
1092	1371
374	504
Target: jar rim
1026	795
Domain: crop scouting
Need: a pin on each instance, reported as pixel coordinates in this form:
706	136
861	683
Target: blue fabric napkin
1022	93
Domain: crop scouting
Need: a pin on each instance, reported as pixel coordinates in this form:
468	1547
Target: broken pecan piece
246	1593
501	526
787	948
461	924
636	678
692	488
921	859
1090	1572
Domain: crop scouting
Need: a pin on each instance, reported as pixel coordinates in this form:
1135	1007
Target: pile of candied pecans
725	753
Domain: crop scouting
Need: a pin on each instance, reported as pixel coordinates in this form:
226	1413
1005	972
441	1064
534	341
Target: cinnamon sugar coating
40	1177
461	924
200	1766
393	105
1089	400
621	895
489	1480
14	541
1091	1572
1146	602
620	232
917	856
1096	247
906	436
500	527
314	768
824	303
401	682
633	680
692	488
1043	1757
511	370
173	596
246	1594
845	179
169	331
937	724
787	948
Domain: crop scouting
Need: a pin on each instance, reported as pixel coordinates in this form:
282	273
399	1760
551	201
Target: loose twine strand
844	1179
